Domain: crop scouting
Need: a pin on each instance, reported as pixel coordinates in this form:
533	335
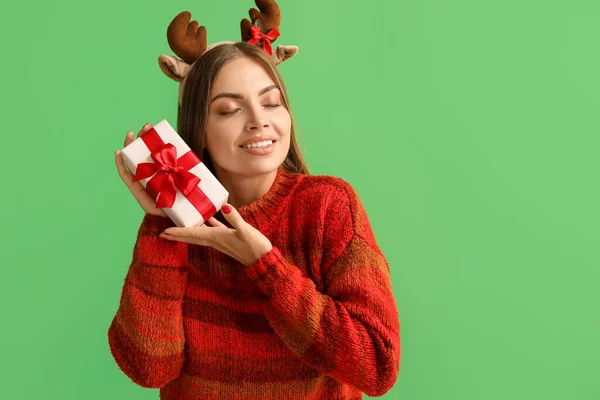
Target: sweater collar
265	208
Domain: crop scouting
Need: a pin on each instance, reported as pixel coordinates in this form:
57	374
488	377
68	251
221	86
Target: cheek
217	137
283	122
217	146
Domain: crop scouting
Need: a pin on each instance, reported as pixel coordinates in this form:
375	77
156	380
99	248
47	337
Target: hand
139	192
244	242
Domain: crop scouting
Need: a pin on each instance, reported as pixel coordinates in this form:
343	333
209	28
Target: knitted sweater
315	318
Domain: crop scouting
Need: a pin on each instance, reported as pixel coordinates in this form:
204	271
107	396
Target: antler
269	17
186	39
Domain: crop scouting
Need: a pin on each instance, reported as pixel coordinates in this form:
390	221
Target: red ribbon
267	38
172	173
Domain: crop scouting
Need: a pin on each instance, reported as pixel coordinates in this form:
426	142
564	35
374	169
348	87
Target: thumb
233	217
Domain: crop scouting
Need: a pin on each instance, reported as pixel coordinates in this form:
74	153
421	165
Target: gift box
183	187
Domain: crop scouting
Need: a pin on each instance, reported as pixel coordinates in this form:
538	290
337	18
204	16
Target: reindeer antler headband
188	40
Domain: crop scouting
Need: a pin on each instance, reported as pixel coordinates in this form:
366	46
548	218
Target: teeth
264	143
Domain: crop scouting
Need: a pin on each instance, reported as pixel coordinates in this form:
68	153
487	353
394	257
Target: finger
128	139
126	175
123	172
233	217
136	188
145	128
200	232
185	239
216	223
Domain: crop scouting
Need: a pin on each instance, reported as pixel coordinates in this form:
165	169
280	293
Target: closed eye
229	112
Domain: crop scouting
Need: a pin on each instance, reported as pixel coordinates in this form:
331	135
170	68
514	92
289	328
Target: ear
283	53
173	67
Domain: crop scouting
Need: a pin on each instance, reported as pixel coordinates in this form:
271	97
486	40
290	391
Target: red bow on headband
267	38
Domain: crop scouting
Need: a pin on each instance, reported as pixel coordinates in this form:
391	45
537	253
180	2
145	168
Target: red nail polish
226	209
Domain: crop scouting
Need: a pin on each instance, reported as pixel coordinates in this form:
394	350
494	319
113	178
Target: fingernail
146	124
226	209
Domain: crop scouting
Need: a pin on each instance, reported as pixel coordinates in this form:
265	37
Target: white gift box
204	200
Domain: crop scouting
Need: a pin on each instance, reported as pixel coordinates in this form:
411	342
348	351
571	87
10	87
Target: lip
261	151
258	139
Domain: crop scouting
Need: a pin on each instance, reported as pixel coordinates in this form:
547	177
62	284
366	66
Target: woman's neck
245	189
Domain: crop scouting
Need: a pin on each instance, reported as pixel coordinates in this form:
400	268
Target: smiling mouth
259	145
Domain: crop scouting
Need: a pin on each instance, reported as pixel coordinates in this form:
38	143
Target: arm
350	332
146	336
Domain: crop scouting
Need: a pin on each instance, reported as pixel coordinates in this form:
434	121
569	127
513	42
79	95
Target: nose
256	119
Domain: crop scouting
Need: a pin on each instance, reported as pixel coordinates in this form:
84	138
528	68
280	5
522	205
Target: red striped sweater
315	318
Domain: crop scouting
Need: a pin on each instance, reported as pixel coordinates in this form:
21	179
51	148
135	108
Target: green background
468	127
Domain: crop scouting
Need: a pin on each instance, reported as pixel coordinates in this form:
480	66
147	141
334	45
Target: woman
285	295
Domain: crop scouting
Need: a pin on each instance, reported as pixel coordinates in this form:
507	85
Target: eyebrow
239	96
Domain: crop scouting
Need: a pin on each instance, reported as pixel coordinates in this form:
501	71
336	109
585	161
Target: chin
261	167
260	164
246	167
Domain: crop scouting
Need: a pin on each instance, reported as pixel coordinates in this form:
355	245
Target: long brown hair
193	111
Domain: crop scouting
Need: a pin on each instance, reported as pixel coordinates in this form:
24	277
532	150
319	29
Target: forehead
241	75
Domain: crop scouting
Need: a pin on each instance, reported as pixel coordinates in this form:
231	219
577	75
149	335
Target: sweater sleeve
146	336
351	329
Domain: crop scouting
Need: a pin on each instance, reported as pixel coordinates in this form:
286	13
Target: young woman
283	295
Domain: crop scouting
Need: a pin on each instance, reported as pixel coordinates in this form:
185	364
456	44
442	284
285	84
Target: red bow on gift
169	177
267	38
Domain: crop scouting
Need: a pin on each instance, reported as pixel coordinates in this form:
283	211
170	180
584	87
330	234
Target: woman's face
247	128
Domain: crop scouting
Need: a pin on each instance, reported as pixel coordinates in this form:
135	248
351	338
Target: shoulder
333	205
326	188
334	200
339	203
